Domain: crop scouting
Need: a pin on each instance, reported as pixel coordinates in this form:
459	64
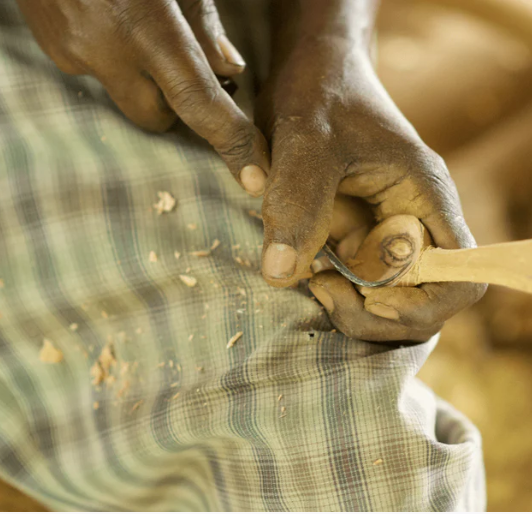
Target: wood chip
96	405
192	226
215	244
107	358
177	254
97	374
190	337
199	369
171	363
188	280
254	214
239	260
153	257
175	396
242	291
49	353
166	202
73	327
136	406
283	409
105	315
234	339
378	462
201	253
280	397
123	389
175	384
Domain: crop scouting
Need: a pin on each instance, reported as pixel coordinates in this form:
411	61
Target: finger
181	70
424	306
139	98
422	188
297	212
202	16
345	308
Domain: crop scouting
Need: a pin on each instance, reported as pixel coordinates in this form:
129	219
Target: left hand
333	129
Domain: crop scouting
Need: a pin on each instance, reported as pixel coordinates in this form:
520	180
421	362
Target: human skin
333	130
331	126
158	60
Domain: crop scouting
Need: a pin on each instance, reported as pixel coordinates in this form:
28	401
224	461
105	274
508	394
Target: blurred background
461	71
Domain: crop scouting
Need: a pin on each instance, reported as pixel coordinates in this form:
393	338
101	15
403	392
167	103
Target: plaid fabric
292	417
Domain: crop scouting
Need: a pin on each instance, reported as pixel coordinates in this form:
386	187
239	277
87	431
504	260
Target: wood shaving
136	406
242	291
97	374
234	339
175	384
201	253
161	364
171	363
73	327
199	369
175	396
177	254
49	353
124	368
105	315
215	244
235	247
107	358
166	202
190	337
153	257
123	389
283	409
378	462
188	280
280	397
254	214
239	260
96	405
192	226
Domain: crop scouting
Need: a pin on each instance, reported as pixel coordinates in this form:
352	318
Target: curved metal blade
347	273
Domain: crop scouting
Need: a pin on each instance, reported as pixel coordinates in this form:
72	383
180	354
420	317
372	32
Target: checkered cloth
292	417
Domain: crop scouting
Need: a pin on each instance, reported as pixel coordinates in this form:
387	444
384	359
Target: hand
333	130
157	59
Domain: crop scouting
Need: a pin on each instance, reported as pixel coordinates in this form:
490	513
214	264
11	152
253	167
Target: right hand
157	59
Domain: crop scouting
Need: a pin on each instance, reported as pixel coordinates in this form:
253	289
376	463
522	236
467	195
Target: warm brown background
461	71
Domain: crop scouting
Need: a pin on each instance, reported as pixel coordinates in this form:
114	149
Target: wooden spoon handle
505	264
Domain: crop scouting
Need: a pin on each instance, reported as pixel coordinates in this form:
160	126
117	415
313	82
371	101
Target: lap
148	408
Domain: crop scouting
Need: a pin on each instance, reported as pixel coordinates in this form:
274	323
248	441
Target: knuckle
239	143
190	95
199	9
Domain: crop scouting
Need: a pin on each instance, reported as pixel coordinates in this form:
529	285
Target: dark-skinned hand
158	60
333	129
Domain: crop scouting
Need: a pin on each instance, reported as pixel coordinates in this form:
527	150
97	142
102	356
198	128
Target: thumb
297	212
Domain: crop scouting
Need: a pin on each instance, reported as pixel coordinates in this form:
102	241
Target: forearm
304	22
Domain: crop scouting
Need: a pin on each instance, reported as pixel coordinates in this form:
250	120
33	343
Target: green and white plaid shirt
148	409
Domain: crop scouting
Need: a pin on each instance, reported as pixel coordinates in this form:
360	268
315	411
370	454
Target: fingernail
229	51
253	179
383	311
279	261
322	296
321	264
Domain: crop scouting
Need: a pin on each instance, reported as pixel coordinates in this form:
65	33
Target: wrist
319	24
